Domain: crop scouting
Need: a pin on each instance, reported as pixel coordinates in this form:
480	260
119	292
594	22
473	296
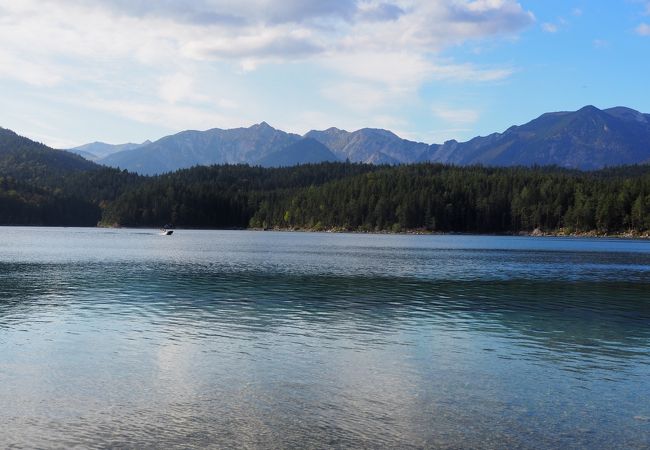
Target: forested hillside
219	196
42	186
22	204
370	198
31	161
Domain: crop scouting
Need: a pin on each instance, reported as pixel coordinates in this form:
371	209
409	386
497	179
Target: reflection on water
125	338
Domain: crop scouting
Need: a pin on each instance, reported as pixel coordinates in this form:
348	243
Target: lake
125	338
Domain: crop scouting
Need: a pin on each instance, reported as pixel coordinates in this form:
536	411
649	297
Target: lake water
125	338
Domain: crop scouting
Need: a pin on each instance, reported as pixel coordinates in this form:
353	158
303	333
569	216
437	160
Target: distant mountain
264	145
304	151
370	145
191	148
97	150
26	160
586	139
83	154
43	186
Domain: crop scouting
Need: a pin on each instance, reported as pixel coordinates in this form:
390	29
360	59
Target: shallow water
261	340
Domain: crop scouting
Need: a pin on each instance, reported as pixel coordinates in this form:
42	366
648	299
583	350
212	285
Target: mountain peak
262	126
589	109
378	131
625	113
589	138
7	131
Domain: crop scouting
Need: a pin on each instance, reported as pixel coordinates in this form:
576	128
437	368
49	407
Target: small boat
167	230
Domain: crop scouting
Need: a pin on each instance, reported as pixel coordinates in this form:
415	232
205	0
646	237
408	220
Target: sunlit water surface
125	338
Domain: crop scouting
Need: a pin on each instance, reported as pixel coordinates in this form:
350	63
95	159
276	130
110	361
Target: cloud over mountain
117	56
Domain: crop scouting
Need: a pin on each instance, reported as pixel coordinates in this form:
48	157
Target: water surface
262	340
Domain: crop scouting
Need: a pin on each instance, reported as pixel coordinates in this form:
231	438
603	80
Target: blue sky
75	71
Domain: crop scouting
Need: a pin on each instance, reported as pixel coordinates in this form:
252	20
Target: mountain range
44	186
98	150
586	139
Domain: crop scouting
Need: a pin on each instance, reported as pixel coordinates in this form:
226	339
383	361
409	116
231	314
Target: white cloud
394	69
152	31
260	43
373	52
177	87
470	72
456	116
401	73
15	67
372	11
560	24
643	30
550	27
178	116
357	96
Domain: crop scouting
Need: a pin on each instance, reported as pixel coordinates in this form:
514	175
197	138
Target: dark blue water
124	338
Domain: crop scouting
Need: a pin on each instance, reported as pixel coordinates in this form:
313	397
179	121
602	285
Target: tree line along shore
429	198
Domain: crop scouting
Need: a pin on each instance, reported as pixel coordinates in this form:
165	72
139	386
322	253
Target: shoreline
417	232
534	233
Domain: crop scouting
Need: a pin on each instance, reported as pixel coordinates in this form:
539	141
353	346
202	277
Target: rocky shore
631	234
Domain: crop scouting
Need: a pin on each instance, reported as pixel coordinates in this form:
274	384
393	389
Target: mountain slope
304	151
370	145
32	179
586	139
191	148
30	161
97	150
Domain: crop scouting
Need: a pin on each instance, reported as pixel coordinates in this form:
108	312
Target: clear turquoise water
125	338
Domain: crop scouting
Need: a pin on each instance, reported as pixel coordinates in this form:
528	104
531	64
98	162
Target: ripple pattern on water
121	338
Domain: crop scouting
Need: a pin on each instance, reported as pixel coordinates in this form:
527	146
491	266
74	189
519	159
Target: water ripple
275	340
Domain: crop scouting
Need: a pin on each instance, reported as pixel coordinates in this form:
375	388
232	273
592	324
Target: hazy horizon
316	129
